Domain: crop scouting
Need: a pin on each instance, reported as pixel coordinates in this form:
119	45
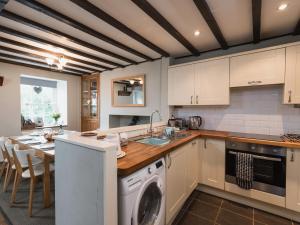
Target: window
40	98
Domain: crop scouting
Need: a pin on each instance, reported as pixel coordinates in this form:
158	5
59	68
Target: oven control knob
149	170
252	147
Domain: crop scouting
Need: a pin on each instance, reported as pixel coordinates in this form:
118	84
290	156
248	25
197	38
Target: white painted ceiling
234	18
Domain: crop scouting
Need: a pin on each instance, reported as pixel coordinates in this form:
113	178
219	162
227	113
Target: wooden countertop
139	155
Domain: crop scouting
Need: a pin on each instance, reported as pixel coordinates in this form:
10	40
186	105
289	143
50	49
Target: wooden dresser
90	102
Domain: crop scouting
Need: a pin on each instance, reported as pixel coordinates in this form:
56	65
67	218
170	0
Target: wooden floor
3	220
205	209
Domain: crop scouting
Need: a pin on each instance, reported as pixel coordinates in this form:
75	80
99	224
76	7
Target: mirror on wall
128	91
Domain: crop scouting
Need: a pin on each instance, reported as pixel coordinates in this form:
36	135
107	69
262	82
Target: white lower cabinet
212	170
181	177
293	179
192	166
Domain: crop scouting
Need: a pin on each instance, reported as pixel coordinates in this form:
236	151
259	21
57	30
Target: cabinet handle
250	82
197	99
204	143
170	161
191	99
258	82
292	156
290	96
193	143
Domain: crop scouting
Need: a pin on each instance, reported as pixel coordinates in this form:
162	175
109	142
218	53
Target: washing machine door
148	206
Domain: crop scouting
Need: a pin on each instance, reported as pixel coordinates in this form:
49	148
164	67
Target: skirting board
251	202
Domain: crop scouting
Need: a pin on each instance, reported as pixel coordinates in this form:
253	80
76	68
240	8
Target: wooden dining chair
35	170
21	163
3	162
9	169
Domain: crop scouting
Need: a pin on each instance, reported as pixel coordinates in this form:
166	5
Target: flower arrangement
56	116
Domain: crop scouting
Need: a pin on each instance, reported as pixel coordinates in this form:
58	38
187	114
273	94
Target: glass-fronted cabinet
90	102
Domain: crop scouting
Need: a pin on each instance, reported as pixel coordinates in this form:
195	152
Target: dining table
46	154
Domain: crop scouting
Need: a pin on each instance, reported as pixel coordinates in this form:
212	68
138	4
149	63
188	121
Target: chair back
17	163
2	142
30	167
6	156
22	155
9	147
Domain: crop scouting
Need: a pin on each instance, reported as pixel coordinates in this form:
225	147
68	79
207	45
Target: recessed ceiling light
196	33
282	6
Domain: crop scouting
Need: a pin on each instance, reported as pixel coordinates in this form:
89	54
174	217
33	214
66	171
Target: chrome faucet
151	121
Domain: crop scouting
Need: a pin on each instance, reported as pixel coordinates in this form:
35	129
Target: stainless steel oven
269	166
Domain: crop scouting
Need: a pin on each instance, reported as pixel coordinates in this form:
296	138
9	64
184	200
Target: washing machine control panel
159	164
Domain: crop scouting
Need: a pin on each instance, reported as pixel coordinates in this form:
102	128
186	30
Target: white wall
156	89
251	110
10	106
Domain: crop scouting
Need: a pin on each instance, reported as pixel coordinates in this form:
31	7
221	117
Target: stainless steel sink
154	141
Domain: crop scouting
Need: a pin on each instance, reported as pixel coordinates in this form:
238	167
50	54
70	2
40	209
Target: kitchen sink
154	141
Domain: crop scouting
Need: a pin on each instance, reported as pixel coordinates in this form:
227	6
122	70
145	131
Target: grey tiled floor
205	209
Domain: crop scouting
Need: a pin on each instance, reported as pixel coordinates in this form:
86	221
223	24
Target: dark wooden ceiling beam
99	13
45	42
67	20
2	4
39	57
256	20
36	66
41	50
38	26
211	22
160	20
14	57
297	28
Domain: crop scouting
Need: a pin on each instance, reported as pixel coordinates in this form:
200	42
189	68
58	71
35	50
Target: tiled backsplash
251	110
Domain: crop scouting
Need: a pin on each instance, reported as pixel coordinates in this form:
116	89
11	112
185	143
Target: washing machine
141	196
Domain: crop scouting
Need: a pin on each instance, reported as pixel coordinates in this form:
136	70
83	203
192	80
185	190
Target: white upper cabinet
292	75
212	82
205	83
261	68
181	85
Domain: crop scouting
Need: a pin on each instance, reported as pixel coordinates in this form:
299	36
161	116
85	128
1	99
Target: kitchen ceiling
98	35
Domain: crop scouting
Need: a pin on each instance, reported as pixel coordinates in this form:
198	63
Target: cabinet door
181	85
262	68
212	82
192	166
292	76
213	163
176	185
293	180
200	159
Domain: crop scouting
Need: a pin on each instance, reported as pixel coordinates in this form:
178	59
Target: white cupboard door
213	163
212	82
176	185
192	166
200	160
292	76
293	180
261	68
181	85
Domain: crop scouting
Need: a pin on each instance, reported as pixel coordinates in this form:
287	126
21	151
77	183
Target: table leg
47	192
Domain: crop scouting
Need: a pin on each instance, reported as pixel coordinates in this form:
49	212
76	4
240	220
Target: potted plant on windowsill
56	117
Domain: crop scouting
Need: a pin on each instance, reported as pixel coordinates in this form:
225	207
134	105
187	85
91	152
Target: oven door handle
260	157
